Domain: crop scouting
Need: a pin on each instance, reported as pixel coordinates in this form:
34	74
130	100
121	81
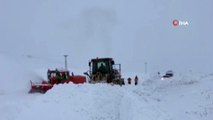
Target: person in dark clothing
136	80
158	74
129	80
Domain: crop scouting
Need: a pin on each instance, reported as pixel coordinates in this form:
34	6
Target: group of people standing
135	80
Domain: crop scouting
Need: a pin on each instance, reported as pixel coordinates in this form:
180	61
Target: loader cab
101	69
57	74
103	65
104	70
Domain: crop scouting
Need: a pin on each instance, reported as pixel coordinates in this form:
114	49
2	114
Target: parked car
168	74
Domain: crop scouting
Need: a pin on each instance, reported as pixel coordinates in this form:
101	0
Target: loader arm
88	74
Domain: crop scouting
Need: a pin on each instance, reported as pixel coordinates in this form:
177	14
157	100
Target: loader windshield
58	74
100	66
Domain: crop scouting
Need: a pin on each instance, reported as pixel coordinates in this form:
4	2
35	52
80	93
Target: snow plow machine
104	70
56	77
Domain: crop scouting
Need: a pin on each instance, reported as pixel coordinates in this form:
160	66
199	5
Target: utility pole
145	67
65	57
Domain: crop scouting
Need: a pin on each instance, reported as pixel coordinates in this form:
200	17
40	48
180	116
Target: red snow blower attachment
56	77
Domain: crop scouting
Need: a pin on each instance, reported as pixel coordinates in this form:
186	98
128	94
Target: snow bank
154	99
183	96
82	102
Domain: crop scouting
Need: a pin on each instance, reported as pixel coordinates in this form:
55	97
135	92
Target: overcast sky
133	32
